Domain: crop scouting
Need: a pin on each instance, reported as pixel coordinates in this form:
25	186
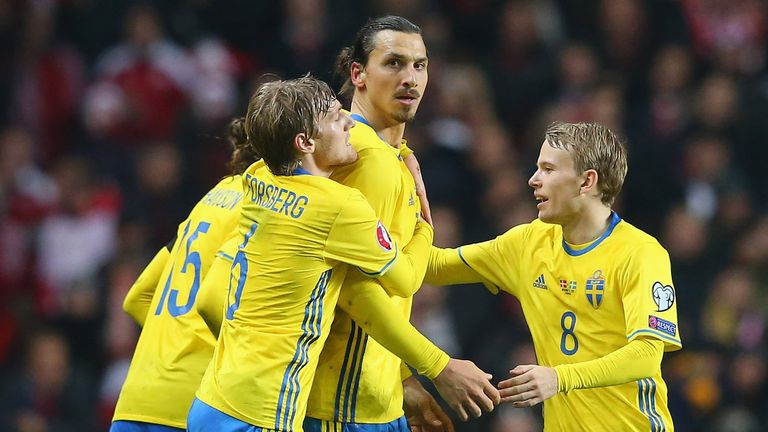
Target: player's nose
534	180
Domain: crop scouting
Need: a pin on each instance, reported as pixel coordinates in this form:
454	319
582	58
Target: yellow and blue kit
175	345
358	380
582	303
296	235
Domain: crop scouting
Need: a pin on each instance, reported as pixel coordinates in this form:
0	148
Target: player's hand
529	385
421	190
422	411
467	389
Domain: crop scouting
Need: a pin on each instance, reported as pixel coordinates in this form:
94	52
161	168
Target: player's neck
589	225
308	164
391	133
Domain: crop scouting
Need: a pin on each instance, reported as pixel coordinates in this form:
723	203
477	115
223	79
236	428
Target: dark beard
404	117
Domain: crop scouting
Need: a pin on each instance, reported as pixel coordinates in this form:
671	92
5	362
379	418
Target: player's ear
303	144
357	75
589	181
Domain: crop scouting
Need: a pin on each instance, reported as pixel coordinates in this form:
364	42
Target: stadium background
111	117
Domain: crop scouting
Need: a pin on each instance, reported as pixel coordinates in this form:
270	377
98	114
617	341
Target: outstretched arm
532	384
446	267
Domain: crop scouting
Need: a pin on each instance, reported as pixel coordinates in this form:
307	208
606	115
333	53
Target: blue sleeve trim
656	333
386	266
462	258
225	256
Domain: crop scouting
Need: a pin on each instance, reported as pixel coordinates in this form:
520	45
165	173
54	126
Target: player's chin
405	115
546	217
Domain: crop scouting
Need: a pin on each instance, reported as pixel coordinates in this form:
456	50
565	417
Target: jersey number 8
568	331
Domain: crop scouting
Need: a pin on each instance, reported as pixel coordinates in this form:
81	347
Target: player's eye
420	66
393	63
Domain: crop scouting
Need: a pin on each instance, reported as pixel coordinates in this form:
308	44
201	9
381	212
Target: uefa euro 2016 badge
382	236
663	296
595	289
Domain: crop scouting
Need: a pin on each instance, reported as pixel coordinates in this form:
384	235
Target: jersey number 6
242	262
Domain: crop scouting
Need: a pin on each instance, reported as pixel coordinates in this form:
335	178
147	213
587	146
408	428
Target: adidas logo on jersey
539	283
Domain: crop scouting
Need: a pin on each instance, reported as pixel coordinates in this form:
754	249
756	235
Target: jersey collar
300	171
360	119
615	219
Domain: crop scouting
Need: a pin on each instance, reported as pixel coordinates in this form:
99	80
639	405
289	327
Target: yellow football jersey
175	345
582	302
297	234
357	379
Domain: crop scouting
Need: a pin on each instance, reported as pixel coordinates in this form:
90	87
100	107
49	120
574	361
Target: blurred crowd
112	115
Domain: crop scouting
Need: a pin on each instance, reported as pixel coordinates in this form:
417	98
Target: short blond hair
593	146
277	112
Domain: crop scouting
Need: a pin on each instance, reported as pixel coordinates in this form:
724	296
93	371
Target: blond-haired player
597	293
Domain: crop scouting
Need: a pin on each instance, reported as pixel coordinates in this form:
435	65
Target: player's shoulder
634	244
538	228
231	182
633	235
522	234
368	143
338	192
226	195
343	201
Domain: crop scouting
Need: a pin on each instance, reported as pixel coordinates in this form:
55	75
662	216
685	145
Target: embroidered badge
662	325
385	241
663	296
567	286
595	289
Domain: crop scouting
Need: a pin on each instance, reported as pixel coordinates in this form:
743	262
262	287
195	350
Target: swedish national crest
595	289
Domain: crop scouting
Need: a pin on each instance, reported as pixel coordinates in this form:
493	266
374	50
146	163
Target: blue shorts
315	425
203	417
134	426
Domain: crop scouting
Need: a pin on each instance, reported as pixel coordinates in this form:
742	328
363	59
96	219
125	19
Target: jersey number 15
191	258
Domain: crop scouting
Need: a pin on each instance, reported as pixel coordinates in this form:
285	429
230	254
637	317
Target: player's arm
532	384
405	275
139	298
640	358
364	300
359	239
212	296
465	387
446	267
494	262
648	296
